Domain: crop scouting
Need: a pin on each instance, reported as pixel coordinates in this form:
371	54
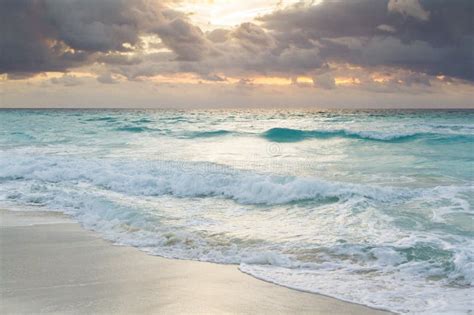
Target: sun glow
271	81
380	78
304	80
210	14
347	81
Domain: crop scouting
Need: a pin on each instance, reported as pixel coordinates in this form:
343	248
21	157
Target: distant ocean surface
372	207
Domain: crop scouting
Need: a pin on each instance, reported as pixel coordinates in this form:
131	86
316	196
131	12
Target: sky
221	53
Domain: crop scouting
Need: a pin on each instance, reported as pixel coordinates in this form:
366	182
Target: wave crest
296	135
188	180
209	134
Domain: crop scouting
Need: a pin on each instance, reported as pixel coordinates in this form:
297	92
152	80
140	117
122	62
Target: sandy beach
49	264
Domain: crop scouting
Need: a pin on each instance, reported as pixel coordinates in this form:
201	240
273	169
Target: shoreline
50	264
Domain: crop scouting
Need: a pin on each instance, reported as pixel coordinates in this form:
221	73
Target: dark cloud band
434	37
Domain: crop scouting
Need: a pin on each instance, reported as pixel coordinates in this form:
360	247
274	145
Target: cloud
218	35
185	39
27	42
67	80
92	26
107	78
119	59
386	28
325	81
253	38
411	8
56	35
214	77
434	37
431	37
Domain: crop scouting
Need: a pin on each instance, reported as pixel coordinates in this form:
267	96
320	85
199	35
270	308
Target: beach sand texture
51	265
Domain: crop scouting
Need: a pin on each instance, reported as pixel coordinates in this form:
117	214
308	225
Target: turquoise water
373	207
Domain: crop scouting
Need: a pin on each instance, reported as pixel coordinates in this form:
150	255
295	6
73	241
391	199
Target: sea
368	206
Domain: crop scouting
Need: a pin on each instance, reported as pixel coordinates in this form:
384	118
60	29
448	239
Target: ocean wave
189	180
343	274
136	129
143	121
208	134
104	118
295	135
408	292
22	136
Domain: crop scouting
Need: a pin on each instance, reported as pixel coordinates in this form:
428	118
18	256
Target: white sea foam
187	180
395	291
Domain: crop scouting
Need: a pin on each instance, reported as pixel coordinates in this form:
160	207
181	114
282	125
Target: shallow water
373	207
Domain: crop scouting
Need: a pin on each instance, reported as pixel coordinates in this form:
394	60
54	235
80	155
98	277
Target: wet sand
49	264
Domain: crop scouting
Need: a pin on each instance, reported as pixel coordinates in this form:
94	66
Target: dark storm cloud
330	19
55	35
185	39
252	37
248	49
432	36
93	26
428	36
25	40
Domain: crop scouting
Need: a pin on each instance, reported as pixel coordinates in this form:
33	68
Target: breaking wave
188	180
